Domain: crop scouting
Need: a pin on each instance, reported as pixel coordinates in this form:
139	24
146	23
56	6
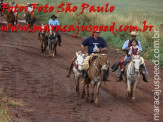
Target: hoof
82	96
92	101
97	105
68	76
133	99
87	100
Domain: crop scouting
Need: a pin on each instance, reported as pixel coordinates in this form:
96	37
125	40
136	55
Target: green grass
127	12
5	104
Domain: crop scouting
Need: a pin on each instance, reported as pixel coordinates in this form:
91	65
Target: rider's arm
130	51
104	46
84	44
140	47
57	23
125	46
139	50
84	49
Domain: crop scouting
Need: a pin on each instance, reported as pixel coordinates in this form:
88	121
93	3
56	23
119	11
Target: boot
145	78
59	44
120	78
115	66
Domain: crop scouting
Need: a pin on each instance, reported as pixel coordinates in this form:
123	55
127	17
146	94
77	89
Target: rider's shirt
134	50
30	9
127	44
14	9
93	44
53	22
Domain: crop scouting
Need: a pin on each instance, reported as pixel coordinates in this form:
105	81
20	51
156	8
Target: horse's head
52	33
103	61
137	61
80	60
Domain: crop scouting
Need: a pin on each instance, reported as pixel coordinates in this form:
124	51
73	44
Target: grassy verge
5	104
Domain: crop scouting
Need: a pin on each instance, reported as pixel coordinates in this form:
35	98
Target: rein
99	63
132	66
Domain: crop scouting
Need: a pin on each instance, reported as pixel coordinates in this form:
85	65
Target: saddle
92	59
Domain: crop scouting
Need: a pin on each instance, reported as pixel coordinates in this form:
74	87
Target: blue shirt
125	45
53	22
93	44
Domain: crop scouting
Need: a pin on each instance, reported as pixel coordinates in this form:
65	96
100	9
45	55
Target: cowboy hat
133	33
53	16
97	31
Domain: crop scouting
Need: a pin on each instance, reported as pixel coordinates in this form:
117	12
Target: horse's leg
92	91
87	92
133	90
42	46
46	44
77	84
49	45
83	91
55	49
97	92
128	88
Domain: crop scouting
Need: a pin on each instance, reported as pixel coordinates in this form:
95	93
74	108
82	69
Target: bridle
99	60
132	65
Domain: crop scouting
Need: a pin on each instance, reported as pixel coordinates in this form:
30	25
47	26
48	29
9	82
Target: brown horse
44	40
96	72
52	43
11	18
30	18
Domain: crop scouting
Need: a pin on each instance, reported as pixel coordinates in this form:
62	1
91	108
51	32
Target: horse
30	18
44	40
77	71
96	73
11	18
132	74
52	43
1	8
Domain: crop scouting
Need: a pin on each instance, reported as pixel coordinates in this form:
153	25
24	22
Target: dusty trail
48	95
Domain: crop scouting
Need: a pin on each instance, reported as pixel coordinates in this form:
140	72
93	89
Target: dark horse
11	18
1	7
44	40
30	19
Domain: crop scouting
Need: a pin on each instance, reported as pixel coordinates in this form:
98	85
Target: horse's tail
70	69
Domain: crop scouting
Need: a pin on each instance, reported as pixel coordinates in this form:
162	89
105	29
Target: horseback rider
95	44
30	9
1	6
15	13
27	5
128	48
54	22
7	4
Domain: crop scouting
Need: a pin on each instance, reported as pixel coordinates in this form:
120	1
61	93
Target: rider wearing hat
15	13
95	44
54	22
126	48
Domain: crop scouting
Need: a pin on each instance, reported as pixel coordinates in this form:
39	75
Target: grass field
127	12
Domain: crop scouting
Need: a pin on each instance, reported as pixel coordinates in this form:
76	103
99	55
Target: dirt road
40	83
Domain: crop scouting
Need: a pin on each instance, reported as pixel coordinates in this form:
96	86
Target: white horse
77	70
132	75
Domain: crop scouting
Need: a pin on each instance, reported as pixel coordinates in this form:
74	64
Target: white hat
133	33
